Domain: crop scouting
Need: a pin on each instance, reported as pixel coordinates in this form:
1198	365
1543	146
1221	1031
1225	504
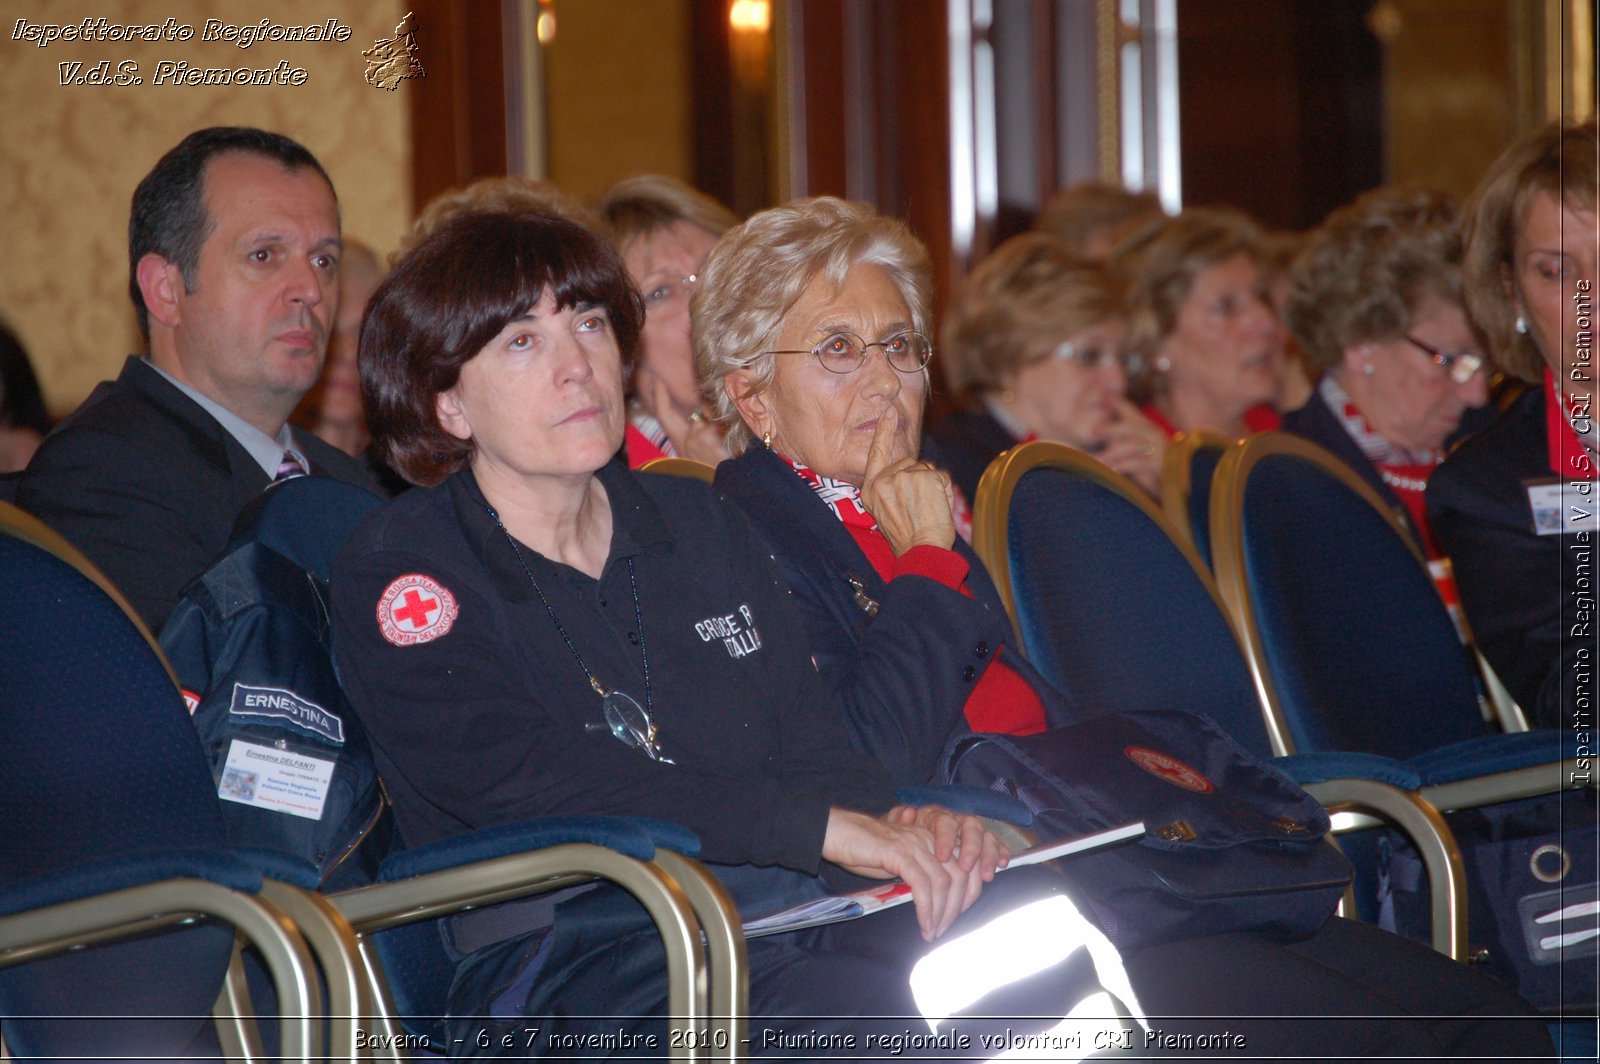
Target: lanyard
621	711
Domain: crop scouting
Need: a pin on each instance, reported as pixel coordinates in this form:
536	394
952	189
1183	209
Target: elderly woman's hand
1135	447
909	499
945	859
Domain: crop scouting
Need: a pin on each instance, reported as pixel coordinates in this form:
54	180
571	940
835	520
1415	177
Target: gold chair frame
259	920
1227	541
1412	813
1227	538
681	467
1177	475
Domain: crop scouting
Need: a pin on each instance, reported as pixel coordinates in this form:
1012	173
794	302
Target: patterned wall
70	155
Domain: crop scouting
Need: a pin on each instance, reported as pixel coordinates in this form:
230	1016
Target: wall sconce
750	16
545	27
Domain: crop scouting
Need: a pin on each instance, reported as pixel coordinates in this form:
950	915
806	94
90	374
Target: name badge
280	780
1562	506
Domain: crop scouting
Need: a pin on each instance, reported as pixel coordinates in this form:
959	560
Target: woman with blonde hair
664	230
1033	343
1201	325
1093	217
1513	505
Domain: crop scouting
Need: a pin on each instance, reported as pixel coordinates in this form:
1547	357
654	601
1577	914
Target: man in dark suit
234	261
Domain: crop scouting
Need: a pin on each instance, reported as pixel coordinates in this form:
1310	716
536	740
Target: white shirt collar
266	450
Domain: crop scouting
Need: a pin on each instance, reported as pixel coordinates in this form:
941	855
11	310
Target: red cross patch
1168	768
415	609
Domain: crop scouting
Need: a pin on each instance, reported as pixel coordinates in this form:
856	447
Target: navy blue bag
293	766
1533	903
1231	844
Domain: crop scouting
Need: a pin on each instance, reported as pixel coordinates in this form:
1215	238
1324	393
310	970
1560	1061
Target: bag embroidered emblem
1169	769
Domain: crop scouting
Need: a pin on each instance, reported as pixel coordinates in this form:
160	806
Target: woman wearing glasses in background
1375	301
1033	343
664	230
1503	504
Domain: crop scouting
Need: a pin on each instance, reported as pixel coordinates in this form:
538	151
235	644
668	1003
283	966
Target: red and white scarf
1405	471
842	497
1379	449
651	429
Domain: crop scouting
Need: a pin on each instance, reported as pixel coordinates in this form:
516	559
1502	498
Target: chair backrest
305	519
98	760
250	644
1350	643
1105	599
681	467
1186	471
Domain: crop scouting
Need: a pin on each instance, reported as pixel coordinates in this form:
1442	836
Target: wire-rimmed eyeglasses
845	352
1460	365
668	292
628	721
1091	355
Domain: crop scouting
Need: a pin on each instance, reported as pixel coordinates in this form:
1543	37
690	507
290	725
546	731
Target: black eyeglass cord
638	618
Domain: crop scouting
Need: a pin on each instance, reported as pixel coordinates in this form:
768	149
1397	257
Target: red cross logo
1169	769
415	609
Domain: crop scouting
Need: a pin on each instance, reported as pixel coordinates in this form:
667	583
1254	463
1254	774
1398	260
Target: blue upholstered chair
1186	471
1117	610
1351	648
113	841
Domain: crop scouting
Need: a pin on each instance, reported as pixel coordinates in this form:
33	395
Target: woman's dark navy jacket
490	722
901	678
1529	598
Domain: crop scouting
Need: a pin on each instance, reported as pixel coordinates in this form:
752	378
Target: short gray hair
1365	272
758	271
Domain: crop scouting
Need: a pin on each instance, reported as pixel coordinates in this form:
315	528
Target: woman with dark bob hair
1506	504
537	630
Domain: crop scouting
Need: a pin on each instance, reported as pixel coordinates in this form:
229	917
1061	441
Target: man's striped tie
289	467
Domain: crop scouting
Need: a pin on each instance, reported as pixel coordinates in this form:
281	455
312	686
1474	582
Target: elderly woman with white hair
811	331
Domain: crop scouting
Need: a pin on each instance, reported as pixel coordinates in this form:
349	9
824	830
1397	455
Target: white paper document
839	907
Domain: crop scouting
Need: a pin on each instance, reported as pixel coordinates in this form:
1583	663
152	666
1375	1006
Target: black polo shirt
478	709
